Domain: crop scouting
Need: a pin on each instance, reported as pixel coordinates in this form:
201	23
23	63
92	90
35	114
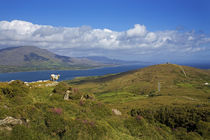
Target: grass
179	111
119	97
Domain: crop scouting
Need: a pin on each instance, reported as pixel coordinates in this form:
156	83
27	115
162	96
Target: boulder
52	84
116	112
10	121
66	96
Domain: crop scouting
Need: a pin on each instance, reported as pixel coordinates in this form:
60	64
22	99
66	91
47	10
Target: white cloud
80	40
151	37
138	30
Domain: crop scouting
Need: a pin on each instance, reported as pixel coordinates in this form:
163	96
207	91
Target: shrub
182	134
87	129
8	92
140	128
61	88
55	124
203	128
20	132
89	96
16	88
58	111
174	117
19	87
75	94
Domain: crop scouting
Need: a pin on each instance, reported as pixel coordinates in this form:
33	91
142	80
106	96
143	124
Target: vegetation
179	110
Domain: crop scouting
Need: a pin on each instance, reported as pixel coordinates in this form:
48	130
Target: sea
71	74
65	74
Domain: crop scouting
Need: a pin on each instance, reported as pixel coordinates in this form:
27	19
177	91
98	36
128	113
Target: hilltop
29	58
168	76
164	101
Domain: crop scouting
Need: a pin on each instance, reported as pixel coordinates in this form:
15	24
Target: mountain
27	58
107	60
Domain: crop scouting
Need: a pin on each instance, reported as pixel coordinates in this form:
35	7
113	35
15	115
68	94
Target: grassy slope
145	81
138	89
128	92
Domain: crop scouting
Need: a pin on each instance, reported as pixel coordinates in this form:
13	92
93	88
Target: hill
130	105
28	58
167	75
149	90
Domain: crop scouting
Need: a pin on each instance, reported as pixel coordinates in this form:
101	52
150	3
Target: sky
145	30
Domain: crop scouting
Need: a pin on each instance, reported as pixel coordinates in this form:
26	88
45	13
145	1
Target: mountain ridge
107	60
27	58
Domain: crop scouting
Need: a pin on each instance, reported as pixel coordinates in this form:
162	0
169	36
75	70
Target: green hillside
158	102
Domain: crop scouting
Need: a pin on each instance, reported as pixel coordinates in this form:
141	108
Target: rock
5	106
82	98
206	84
66	96
52	84
27	120
6	128
26	83
10	120
11	81
116	112
68	91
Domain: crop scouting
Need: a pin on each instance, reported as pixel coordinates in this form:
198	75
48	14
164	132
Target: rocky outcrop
10	121
116	112
66	96
55	83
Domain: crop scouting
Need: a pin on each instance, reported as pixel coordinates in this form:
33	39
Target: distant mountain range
106	60
30	58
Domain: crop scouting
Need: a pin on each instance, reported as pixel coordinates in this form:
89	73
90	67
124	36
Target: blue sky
113	14
134	27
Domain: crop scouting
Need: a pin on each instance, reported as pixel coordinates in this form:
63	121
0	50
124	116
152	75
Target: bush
86	129
20	132
8	92
89	96
136	127
75	94
61	88
16	88
203	128
55	124
174	117
58	111
141	129
19	87
182	134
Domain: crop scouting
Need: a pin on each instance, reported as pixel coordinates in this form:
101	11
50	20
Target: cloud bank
137	42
